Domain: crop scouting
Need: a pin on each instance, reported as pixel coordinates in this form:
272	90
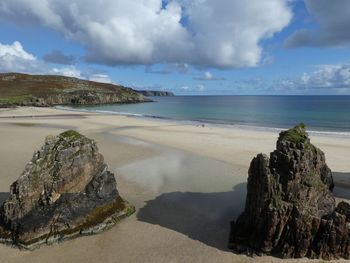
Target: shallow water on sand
190	194
174	170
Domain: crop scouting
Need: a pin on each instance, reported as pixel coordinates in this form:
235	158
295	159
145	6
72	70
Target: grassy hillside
46	90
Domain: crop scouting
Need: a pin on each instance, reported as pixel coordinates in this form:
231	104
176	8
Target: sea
323	114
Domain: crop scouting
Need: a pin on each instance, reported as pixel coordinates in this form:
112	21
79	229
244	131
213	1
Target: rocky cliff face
290	211
66	190
84	97
40	90
156	93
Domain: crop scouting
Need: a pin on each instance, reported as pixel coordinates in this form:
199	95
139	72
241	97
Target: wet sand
186	181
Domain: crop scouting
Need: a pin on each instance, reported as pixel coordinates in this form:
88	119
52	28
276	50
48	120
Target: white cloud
103	78
184	87
187	90
207	76
64	71
14	58
328	76
333	18
201	88
15	50
228	32
216	33
325	77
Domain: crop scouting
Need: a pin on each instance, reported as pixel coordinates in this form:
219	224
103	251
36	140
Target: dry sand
186	181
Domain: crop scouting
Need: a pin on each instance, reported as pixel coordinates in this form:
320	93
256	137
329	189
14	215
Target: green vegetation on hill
46	90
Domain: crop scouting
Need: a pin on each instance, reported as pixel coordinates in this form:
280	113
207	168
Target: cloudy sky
185	46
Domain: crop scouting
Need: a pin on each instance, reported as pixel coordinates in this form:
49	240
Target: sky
189	47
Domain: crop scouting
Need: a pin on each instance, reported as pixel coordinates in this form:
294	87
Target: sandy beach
186	180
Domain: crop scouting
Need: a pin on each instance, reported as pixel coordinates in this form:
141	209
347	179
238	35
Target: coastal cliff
290	211
156	93
65	191
42	90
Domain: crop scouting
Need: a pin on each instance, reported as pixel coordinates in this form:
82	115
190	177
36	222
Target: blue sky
188	47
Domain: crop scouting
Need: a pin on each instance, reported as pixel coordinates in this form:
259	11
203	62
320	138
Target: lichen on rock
66	190
290	211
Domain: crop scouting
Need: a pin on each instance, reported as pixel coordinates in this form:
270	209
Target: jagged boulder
290	211
66	190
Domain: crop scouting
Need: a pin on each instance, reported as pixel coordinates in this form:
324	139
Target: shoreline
78	113
224	134
186	182
216	123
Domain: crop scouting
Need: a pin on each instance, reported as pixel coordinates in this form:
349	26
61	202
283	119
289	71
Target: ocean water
319	113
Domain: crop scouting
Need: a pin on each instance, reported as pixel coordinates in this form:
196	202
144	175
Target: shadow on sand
341	185
201	216
3	197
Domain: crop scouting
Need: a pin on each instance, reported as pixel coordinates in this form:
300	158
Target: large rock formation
66	190
290	211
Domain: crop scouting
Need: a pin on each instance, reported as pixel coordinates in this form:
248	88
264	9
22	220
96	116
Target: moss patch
296	135
70	134
101	213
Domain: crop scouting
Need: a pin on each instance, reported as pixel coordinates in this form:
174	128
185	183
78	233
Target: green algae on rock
295	135
65	191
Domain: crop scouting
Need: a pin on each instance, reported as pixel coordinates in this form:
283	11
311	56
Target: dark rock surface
156	93
66	190
290	211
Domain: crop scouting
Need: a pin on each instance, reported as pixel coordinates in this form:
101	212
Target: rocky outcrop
83	97
156	93
42	91
66	190
290	211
